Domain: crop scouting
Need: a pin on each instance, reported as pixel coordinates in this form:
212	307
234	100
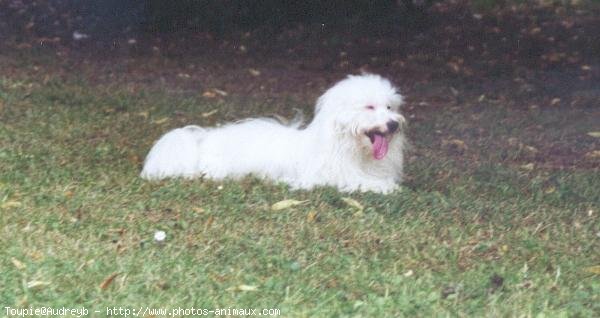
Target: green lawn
480	230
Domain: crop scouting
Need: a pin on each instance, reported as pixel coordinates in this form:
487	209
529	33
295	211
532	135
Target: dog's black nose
392	126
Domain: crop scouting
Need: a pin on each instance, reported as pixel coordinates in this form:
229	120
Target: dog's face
377	125
366	108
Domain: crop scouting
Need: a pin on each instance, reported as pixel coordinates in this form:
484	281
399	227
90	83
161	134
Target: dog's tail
296	122
175	154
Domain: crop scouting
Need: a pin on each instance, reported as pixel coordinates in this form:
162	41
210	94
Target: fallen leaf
353	203
198	209
210	113
593	269
286	204
553	56
220	92
530	149
36	255
454	66
254	72
528	166
243	288
209	94
108	280
409	273
145	115
17	263
37	284
161	121
209	222
11	204
593	154
595	134
311	216
535	30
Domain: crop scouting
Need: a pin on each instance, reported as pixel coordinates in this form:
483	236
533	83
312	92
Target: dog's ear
397	99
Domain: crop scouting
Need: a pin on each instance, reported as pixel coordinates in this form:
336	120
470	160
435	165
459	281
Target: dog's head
366	108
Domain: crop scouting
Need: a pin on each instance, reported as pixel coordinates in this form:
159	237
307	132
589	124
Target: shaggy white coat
348	145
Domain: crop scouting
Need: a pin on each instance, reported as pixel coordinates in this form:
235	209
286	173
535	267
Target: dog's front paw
380	187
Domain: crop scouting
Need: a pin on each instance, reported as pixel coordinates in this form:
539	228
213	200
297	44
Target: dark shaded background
114	18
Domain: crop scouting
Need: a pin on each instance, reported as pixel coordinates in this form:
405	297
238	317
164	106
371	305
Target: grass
469	235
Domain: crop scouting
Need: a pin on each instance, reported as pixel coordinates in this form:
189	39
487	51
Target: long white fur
333	150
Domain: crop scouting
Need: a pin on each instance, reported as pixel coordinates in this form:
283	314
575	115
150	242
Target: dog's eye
370	107
389	107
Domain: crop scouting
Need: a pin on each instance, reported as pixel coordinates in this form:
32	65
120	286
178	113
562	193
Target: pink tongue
380	147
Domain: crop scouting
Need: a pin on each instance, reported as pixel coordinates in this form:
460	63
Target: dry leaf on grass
353	203
209	113
37	284
10	204
254	72
243	288
198	210
108	280
209	222
593	154
281	205
593	269
209	94
17	263
161	121
595	134
220	92
530	166
311	216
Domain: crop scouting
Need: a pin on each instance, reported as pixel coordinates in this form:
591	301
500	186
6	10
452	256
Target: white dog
355	142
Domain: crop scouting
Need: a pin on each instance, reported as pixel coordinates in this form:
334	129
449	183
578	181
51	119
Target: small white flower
160	236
